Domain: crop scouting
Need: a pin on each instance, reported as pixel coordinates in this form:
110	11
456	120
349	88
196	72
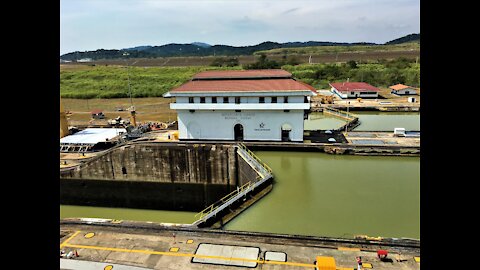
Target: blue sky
116	24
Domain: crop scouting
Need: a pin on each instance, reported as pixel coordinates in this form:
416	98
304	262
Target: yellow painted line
348	249
367	265
108	267
189	255
417	259
189	241
70	238
89	235
174	249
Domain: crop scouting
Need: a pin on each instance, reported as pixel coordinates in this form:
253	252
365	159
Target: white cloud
94	24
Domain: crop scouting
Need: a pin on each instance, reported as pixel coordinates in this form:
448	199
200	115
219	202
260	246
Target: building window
237	100
352	93
124	170
238	110
274	99
305	99
202	99
192	111
190	100
261	100
214	99
286	110
225	100
285	99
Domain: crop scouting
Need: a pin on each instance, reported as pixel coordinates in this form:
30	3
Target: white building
400	89
256	105
84	60
354	90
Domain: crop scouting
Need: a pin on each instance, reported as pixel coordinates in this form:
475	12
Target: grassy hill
319	50
408	38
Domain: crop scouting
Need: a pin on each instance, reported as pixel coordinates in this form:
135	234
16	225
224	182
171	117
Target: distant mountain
138	48
407	38
204	49
201	44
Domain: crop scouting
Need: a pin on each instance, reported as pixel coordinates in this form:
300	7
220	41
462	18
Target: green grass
87	82
376	74
334	49
112	81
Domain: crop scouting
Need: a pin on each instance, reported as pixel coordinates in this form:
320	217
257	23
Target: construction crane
63	121
133	120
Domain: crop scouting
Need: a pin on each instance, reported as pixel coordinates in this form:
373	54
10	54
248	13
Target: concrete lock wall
245	172
257	125
156	176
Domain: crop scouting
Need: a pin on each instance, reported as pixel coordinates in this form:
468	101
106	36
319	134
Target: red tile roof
273	85
354	87
399	87
229	74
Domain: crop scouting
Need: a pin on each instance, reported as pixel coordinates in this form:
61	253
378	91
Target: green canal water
320	194
332	195
71	211
369	121
316	194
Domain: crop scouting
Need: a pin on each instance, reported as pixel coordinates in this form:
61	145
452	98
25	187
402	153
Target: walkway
173	249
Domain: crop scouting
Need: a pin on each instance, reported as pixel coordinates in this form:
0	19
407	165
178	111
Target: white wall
219	125
402	91
356	94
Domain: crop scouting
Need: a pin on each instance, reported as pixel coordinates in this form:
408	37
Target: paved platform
381	138
72	264
159	249
227	255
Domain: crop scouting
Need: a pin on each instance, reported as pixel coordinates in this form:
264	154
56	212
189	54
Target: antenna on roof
310	59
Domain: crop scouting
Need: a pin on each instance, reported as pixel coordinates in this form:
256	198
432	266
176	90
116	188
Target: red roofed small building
255	105
354	90
400	89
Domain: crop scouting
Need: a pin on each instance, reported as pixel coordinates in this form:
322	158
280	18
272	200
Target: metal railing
339	113
242	146
264	172
227	198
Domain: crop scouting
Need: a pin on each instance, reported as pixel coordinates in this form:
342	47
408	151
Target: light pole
346	125
132	108
128	76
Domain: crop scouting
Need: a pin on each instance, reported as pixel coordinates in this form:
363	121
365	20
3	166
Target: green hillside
318	50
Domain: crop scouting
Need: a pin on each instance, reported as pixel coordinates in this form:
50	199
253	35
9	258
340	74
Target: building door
238	132
286	128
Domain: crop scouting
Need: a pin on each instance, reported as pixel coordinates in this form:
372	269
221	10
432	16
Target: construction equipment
359	100
326	99
118	121
133	119
97	114
325	263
